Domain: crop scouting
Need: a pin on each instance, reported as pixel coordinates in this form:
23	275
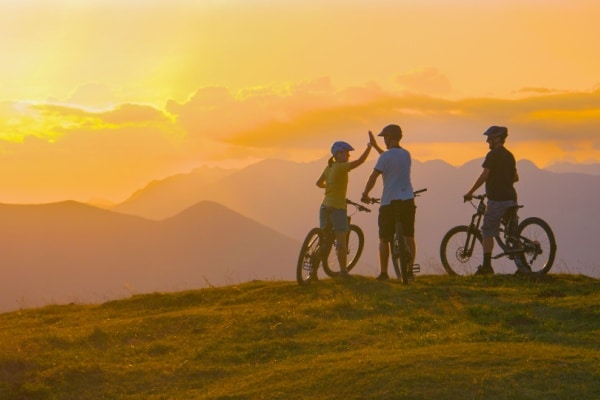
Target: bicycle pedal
416	268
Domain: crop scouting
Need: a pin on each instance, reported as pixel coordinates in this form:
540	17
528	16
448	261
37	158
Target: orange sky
97	98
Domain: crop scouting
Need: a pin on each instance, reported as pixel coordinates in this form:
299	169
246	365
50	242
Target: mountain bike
530	244
319	249
401	254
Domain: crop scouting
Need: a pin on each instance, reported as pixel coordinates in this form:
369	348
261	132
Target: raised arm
362	158
374	143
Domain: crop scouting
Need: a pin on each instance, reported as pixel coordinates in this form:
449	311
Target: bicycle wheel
400	255
308	260
355	244
459	257
539	243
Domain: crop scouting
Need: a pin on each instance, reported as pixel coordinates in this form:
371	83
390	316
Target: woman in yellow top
334	180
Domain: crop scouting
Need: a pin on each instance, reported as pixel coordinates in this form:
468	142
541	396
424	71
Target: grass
498	337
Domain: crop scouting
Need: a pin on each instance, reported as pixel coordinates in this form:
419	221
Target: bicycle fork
467	251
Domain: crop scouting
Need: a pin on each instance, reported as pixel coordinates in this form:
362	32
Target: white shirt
394	165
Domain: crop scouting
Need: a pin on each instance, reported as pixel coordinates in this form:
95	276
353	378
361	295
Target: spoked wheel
459	257
400	255
539	244
308	260
355	244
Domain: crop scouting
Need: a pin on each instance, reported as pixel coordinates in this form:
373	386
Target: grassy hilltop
498	337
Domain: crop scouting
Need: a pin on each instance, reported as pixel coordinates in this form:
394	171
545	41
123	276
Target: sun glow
175	85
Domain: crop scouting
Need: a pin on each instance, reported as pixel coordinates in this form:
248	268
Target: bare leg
488	245
384	254
412	247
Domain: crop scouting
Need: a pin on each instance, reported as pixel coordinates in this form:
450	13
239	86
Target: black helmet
392	131
496	131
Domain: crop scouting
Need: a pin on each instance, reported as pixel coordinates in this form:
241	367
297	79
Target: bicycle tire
400	254
539	243
454	259
308	259
355	245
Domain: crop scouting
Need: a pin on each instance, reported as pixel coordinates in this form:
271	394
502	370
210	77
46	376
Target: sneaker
383	277
481	270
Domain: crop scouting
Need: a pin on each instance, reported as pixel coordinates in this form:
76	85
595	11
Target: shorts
492	217
405	211
337	216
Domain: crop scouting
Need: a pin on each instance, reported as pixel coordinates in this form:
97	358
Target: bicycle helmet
392	131
496	131
340	146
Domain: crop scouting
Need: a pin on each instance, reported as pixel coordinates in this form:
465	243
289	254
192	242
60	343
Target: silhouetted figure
397	199
499	174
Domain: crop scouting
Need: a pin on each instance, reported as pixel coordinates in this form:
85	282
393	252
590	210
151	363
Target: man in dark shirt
499	174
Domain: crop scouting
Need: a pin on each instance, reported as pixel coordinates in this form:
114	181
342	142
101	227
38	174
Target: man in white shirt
397	199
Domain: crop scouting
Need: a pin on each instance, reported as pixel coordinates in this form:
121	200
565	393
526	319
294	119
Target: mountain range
214	226
591	169
72	252
282	195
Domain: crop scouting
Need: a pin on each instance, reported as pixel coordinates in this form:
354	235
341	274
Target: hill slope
64	252
498	337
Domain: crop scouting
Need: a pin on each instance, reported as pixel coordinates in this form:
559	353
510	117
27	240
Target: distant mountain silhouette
165	198
72	252
591	169
283	195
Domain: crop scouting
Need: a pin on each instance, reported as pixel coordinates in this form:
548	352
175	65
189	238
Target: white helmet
340	146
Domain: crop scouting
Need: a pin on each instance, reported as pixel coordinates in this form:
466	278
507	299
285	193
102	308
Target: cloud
58	152
312	113
69	149
215	112
435	119
537	90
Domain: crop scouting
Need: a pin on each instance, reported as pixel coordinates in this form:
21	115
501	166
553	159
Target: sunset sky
99	97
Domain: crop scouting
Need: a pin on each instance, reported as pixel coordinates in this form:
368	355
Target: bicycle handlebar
416	193
479	197
360	207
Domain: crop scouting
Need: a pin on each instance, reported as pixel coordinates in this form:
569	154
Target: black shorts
404	210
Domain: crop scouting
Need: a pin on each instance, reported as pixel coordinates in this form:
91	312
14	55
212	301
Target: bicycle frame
506	238
319	243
